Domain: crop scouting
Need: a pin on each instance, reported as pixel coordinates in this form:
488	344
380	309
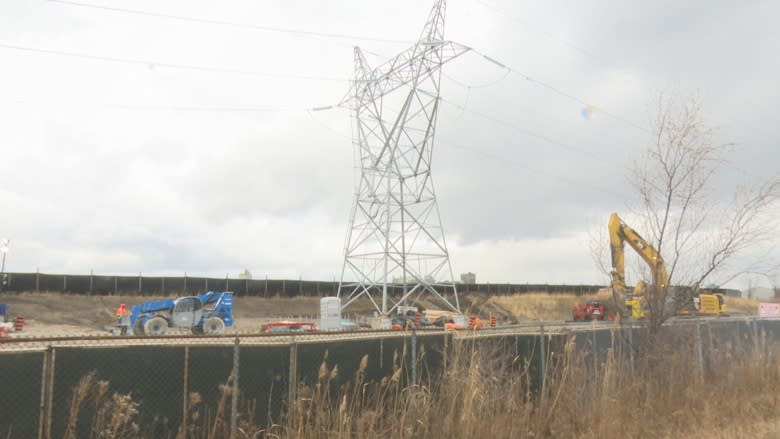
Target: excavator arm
620	234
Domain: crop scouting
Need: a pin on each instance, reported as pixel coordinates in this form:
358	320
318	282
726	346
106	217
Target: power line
560	92
483	85
525	131
182	108
156	64
571	46
231	23
524	165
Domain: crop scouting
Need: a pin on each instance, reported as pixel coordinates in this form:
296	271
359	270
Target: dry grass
741	305
113	417
486	394
539	306
665	393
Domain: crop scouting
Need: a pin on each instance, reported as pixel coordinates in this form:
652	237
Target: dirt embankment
58	314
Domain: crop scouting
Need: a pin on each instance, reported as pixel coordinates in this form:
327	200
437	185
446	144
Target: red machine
590	310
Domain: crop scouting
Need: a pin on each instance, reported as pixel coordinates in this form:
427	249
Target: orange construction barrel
19	323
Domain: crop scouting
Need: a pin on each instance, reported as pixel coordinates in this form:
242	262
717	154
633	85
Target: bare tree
698	232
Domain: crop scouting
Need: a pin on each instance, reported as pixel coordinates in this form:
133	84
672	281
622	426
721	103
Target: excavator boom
620	234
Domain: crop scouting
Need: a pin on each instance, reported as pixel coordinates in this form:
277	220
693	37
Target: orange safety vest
121	311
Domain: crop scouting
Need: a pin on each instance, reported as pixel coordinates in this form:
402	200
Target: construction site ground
54	314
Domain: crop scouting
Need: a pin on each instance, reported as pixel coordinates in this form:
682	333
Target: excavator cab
635	307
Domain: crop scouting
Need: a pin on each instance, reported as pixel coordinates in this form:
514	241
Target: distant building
468	278
245	275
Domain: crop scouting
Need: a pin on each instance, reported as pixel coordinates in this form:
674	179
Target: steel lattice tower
395	238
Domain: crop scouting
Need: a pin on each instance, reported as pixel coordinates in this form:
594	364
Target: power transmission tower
395	241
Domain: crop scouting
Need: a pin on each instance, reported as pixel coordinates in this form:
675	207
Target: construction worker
124	318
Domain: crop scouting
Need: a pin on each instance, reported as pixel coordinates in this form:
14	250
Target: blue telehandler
207	313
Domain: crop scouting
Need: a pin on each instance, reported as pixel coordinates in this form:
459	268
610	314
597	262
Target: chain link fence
189	386
73	388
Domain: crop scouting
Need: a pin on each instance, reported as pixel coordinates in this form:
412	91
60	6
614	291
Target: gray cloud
117	166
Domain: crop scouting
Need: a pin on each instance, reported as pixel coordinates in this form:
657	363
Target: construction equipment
287	327
207	313
619	234
708	304
590	310
683	300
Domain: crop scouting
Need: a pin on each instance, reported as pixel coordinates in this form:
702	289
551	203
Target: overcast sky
178	138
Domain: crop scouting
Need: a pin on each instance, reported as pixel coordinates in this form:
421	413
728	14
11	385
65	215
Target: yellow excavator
620	234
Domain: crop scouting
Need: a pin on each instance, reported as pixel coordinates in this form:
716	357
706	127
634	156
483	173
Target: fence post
44	381
49	409
116	285
140	283
91	280
543	339
162	285
445	351
185	392
755	335
701	353
65	283
414	357
234	392
227	282
185	283
595	355
631	348
37	280
292	390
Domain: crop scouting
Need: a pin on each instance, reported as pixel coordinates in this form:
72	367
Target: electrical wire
230	23
483	85
525	131
182	108
525	76
560	92
156	64
524	165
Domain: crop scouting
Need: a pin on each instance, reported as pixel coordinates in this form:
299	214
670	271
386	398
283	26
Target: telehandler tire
213	326
155	326
138	328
